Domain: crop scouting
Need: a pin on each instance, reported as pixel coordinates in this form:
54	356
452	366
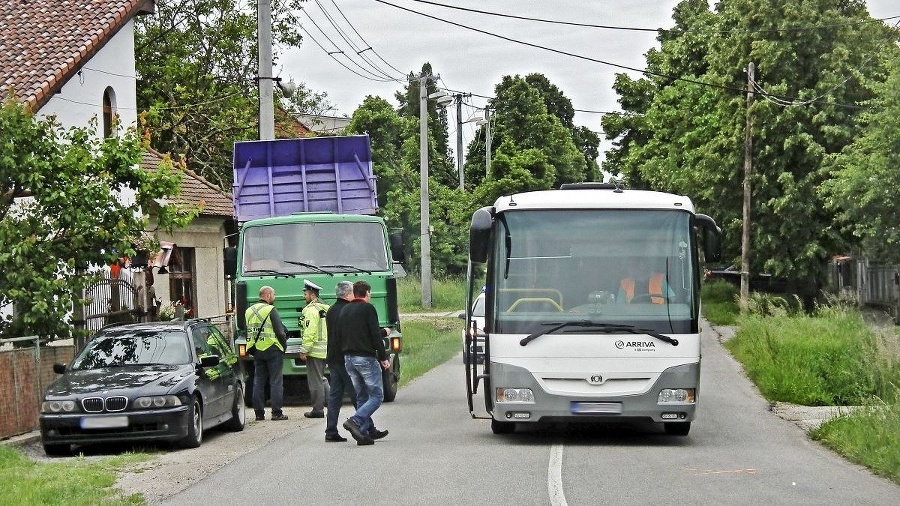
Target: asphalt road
738	452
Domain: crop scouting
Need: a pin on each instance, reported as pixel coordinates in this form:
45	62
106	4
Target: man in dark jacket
364	357
339	380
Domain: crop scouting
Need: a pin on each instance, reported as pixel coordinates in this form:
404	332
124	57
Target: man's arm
278	327
375	333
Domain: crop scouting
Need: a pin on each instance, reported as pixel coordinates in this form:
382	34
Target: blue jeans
365	373
267	366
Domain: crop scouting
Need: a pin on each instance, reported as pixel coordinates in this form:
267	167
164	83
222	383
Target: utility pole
425	230
459	156
265	81
748	164
487	143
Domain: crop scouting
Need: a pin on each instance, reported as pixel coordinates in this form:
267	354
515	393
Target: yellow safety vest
315	330
259	322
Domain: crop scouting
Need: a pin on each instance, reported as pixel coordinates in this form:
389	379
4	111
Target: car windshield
134	347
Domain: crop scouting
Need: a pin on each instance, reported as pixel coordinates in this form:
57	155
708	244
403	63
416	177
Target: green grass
870	437
428	342
446	294
73	482
720	305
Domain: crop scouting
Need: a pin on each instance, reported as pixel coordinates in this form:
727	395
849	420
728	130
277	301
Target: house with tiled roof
74	60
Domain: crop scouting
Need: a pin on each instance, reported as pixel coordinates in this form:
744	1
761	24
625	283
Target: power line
368	46
637	29
359	52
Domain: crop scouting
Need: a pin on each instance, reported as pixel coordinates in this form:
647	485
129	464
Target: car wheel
502	427
238	419
390	379
57	450
195	426
677	429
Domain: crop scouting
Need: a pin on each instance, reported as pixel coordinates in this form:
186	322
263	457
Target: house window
109	111
182	271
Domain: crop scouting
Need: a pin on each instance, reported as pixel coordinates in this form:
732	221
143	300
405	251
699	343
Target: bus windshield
620	267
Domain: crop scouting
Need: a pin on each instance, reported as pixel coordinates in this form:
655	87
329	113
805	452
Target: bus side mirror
480	235
230	258
712	238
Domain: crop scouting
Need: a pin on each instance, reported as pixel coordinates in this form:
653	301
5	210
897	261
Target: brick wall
20	389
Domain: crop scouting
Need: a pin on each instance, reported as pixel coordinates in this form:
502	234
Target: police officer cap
309	285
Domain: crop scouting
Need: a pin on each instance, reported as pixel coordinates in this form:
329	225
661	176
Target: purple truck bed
314	174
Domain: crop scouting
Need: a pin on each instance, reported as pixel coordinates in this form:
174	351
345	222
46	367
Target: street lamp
425	214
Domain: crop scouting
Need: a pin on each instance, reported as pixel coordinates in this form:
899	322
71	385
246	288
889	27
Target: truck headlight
58	406
518	395
676	396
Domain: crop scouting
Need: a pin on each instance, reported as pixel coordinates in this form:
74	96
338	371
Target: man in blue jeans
364	358
339	379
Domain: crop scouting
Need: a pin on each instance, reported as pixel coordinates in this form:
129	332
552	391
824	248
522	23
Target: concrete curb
23	439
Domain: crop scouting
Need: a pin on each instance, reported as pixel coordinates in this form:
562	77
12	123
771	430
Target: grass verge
427	343
74	482
869	436
446	294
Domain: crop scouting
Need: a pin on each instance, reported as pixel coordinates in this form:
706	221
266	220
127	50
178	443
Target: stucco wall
207	236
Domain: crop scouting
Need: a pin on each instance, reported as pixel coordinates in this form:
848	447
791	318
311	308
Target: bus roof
593	199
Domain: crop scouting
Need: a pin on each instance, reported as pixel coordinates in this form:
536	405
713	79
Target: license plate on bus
597	408
104	422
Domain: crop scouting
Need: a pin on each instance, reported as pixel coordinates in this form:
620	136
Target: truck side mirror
230	259
397	247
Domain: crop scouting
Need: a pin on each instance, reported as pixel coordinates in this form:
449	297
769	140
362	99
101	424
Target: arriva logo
635	344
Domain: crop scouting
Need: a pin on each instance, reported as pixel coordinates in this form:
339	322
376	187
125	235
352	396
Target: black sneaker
365	441
378	434
314	414
351	426
278	418
337	438
260	417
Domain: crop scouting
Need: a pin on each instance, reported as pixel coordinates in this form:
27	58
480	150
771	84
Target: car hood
158	379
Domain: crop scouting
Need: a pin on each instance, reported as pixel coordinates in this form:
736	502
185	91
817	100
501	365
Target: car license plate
597	408
104	422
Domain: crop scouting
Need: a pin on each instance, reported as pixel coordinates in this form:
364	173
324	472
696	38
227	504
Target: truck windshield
297	248
616	267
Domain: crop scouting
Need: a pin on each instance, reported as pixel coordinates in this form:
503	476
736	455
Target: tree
197	78
683	126
65	209
865	183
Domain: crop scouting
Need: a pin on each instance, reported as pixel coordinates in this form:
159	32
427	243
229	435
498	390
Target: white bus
592	306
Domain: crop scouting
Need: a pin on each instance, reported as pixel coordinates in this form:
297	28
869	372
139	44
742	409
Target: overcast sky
472	62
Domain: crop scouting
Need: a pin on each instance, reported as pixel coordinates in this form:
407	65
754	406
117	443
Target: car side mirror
209	361
59	368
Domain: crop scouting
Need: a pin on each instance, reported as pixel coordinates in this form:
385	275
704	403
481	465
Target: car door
213	386
229	368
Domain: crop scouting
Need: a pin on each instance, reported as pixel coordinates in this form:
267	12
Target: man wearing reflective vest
266	339
658	289
314	348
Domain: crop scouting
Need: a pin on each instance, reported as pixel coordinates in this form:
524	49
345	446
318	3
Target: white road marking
554	476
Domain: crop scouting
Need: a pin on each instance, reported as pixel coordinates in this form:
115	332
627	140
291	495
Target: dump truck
306	210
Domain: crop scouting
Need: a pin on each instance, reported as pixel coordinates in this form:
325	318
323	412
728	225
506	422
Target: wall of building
207	236
22	384
81	99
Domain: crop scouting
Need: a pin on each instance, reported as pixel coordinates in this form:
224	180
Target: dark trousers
268	365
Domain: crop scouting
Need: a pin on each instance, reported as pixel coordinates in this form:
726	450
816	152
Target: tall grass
830	358
447	294
869	436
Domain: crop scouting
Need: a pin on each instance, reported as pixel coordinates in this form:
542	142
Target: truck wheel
677	428
238	419
502	427
248	395
390	379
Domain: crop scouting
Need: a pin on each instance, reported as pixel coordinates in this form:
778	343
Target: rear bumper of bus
554	407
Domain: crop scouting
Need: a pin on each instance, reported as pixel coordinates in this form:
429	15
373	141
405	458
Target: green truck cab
305	209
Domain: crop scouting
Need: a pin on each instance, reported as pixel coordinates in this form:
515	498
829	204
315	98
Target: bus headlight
518	395
676	396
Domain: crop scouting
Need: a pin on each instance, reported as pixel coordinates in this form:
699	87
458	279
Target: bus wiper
342	266
269	271
608	328
309	266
